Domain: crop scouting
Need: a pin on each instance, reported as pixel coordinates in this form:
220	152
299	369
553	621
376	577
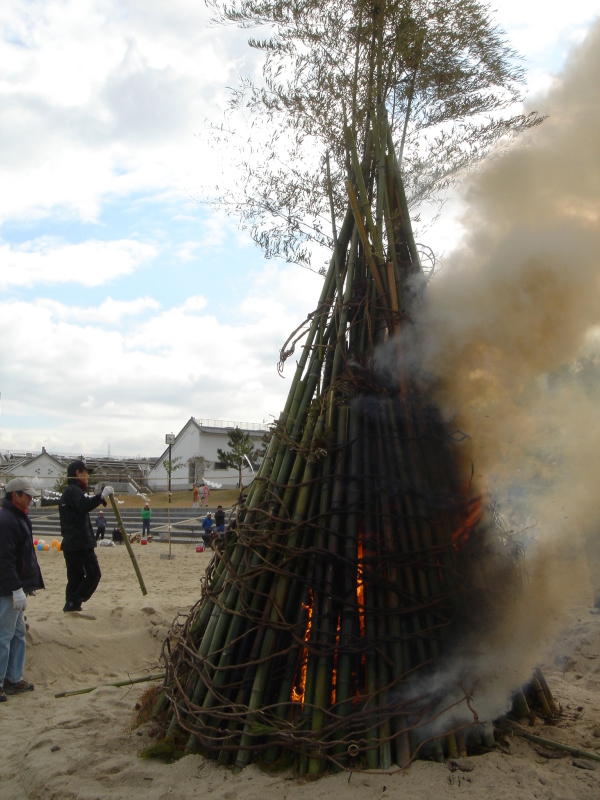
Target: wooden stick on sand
136	567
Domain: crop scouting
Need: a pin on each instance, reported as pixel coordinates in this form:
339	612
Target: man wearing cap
79	542
20	575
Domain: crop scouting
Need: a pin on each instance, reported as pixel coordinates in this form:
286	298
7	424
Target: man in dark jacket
20	575
79	542
220	520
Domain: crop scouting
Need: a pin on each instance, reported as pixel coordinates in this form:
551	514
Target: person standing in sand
220	520
207	524
100	525
146	514
205	494
20	575
79	542
195	496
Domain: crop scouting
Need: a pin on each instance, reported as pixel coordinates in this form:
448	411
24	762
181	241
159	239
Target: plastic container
200	548
143	541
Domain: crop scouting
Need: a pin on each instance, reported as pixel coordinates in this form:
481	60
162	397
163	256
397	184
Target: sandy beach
87	746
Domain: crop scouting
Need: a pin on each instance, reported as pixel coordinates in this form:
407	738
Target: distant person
79	543
207	524
100	525
220	520
195	496
146	514
205	494
20	575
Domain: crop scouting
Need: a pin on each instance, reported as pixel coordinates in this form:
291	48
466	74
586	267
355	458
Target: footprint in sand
117	611
81	615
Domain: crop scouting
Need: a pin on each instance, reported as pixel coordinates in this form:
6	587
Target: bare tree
442	67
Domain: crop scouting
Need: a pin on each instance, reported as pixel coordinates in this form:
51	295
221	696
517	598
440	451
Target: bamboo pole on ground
128	682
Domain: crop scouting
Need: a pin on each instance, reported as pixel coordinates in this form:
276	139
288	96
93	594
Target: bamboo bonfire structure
344	577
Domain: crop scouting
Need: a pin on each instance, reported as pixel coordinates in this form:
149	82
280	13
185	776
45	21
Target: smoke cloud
510	326
509	336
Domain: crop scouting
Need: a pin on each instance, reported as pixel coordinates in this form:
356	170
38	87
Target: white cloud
537	27
95	385
194	304
102	101
46	260
109	312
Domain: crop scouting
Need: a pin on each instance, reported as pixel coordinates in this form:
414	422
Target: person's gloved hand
107	491
19	600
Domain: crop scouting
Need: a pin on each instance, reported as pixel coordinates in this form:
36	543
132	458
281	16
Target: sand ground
120	634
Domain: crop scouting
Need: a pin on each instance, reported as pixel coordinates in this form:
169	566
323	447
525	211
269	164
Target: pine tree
242	451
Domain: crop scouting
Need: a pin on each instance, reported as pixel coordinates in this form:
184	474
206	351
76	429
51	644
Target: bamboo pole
554	709
531	737
128	544
129	682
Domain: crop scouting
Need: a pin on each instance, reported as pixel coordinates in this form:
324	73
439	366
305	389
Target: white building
195	458
43	468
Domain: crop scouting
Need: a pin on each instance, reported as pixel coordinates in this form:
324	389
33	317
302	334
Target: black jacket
219	518
75	524
19	568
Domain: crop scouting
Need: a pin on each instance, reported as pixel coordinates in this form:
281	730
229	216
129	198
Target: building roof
224	425
211	426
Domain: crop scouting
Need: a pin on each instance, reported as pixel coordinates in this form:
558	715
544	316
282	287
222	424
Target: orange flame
335	661
474	512
297	695
360	588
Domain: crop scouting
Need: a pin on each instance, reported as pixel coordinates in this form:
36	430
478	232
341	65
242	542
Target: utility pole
170	440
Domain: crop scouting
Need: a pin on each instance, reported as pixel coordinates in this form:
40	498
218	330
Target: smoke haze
509	336
510	321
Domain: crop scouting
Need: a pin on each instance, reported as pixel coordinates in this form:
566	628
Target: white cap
22	485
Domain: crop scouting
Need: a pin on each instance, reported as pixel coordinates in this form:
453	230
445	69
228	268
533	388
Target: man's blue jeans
12	642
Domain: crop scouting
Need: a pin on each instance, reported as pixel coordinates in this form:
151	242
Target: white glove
107	491
19	600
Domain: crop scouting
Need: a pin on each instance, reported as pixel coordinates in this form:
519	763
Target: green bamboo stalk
546	689
350	602
326	292
325	667
520	706
281	588
411	544
567	748
213	634
309	696
284	706
365	206
399	186
127	543
230	627
539	695
128	682
372	682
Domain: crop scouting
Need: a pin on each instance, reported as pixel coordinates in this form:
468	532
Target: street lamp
170	440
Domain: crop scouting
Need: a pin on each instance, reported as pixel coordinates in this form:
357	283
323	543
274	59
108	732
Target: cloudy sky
126	305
